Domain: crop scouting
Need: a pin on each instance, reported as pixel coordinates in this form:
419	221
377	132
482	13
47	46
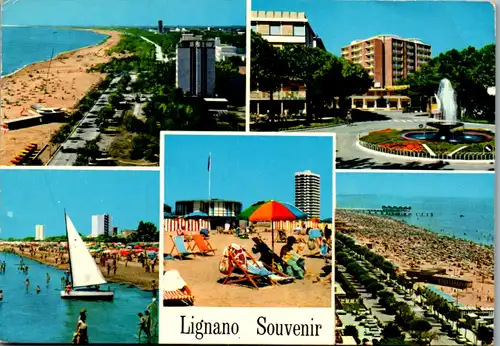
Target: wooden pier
389	211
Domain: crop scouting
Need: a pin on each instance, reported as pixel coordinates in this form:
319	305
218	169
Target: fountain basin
458	137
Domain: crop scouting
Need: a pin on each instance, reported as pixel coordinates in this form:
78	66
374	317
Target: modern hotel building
195	65
307	193
388	58
281	28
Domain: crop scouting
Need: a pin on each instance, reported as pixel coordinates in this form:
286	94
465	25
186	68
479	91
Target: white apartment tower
101	225
195	65
307	193
39	232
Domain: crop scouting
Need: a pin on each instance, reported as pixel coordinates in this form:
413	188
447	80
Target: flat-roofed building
281	28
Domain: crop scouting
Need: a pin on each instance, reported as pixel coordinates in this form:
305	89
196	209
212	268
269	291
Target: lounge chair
179	248
239	261
203	245
282	236
278	262
175	290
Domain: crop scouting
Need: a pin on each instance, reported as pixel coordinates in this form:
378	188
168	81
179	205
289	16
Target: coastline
409	246
60	54
66	85
133	274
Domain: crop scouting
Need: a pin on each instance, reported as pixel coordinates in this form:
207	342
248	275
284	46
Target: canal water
30	317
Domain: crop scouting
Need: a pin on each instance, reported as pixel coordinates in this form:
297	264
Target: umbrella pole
272	240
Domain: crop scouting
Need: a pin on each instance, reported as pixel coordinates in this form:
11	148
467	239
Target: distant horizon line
149	26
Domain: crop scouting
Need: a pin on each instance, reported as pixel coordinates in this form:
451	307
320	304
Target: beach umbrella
245	214
275	211
196	215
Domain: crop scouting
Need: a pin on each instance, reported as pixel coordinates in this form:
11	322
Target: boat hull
87	295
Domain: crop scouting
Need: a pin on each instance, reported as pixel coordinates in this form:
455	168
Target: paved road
86	130
159	53
352	156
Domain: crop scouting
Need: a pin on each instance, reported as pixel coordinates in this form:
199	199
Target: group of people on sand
291	260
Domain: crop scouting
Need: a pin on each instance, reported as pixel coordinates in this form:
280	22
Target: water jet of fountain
447	101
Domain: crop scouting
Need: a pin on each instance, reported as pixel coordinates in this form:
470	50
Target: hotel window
254	27
299	30
275	29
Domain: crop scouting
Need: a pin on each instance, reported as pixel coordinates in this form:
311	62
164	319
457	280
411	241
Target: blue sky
453	185
31	197
443	24
245	168
124	12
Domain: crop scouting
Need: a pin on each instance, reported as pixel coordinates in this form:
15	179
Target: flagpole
209	176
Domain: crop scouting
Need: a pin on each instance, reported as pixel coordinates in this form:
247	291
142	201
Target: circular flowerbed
392	139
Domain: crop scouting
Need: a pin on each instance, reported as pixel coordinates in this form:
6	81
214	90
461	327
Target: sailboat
84	272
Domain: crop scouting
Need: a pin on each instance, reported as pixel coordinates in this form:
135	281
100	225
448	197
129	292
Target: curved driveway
351	156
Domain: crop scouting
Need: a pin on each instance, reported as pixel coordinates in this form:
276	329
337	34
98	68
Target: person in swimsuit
143	325
27	283
38	289
47	278
81	335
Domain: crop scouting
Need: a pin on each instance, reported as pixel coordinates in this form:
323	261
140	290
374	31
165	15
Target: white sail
84	270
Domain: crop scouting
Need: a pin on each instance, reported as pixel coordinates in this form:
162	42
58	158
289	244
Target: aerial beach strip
65	81
408	246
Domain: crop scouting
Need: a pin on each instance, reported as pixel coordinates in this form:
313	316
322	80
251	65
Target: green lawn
395	136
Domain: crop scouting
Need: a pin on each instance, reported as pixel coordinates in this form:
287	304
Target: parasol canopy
273	211
196	215
276	211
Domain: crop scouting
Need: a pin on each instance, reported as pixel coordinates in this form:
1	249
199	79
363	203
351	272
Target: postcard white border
170	317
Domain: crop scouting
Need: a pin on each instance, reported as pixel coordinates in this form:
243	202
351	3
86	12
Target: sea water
28	317
22	46
466	218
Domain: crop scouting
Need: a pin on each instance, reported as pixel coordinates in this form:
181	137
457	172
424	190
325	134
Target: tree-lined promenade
150	103
358	266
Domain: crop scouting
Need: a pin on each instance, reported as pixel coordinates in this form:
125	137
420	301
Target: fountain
446	100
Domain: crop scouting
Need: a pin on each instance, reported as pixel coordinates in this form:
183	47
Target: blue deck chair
264	272
180	247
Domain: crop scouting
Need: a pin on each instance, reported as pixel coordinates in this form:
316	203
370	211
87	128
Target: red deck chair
203	245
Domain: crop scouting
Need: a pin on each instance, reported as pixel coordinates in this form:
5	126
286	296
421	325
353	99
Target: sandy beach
66	83
410	246
132	272
202	275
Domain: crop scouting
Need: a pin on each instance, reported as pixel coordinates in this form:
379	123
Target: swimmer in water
47	278
38	289
27	283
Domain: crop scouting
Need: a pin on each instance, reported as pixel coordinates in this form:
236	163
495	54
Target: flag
209	161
